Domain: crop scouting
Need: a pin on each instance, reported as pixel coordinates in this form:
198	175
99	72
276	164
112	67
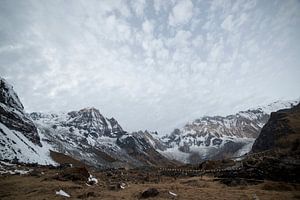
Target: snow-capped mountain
217	136
89	136
19	138
85	135
88	120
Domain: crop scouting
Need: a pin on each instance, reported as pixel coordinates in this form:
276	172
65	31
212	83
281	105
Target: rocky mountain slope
218	137
89	136
85	135
19	138
275	154
281	133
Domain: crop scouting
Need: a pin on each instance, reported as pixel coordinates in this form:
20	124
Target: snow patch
62	193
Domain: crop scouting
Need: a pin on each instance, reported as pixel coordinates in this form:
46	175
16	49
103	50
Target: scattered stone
117	186
65	165
150	192
109	174
122	185
35	173
74	174
92	180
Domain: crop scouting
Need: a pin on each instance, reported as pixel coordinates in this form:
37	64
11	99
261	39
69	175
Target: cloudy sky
151	64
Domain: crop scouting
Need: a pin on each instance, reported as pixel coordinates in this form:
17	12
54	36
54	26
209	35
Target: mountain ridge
99	141
216	137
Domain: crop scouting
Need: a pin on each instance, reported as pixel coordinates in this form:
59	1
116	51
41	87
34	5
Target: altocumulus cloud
151	64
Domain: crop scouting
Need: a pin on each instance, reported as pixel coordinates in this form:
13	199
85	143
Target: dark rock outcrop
73	174
275	154
151	192
12	113
142	147
281	132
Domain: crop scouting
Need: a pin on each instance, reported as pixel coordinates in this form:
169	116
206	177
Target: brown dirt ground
44	187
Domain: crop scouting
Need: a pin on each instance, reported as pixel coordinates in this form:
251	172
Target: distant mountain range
218	137
88	136
85	135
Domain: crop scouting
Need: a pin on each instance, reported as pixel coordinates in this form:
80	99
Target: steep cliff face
19	137
281	132
275	154
143	146
12	113
88	120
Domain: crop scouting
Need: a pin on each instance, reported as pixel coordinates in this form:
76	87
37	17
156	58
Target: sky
151	64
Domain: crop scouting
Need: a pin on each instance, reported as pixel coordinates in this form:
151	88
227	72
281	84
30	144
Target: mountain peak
277	105
90	109
8	96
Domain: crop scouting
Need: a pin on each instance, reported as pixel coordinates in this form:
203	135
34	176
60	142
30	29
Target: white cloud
181	13
181	39
147	27
227	24
138	7
124	57
198	41
158	5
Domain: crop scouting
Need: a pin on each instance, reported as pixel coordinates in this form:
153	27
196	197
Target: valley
42	183
84	155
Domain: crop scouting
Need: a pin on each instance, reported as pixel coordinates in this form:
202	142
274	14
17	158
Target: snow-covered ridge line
212	137
277	105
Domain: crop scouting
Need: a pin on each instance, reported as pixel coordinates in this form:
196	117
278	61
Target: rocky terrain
84	155
107	144
275	153
281	133
19	137
220	137
12	113
88	136
46	182
99	141
85	135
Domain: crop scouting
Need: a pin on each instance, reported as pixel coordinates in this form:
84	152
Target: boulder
74	174
150	192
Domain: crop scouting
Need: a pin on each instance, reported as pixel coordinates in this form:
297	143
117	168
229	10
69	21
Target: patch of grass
277	186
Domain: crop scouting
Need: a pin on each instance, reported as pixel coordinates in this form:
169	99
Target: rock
74	174
92	180
150	192
65	165
281	132
12	113
35	173
122	185
117	186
